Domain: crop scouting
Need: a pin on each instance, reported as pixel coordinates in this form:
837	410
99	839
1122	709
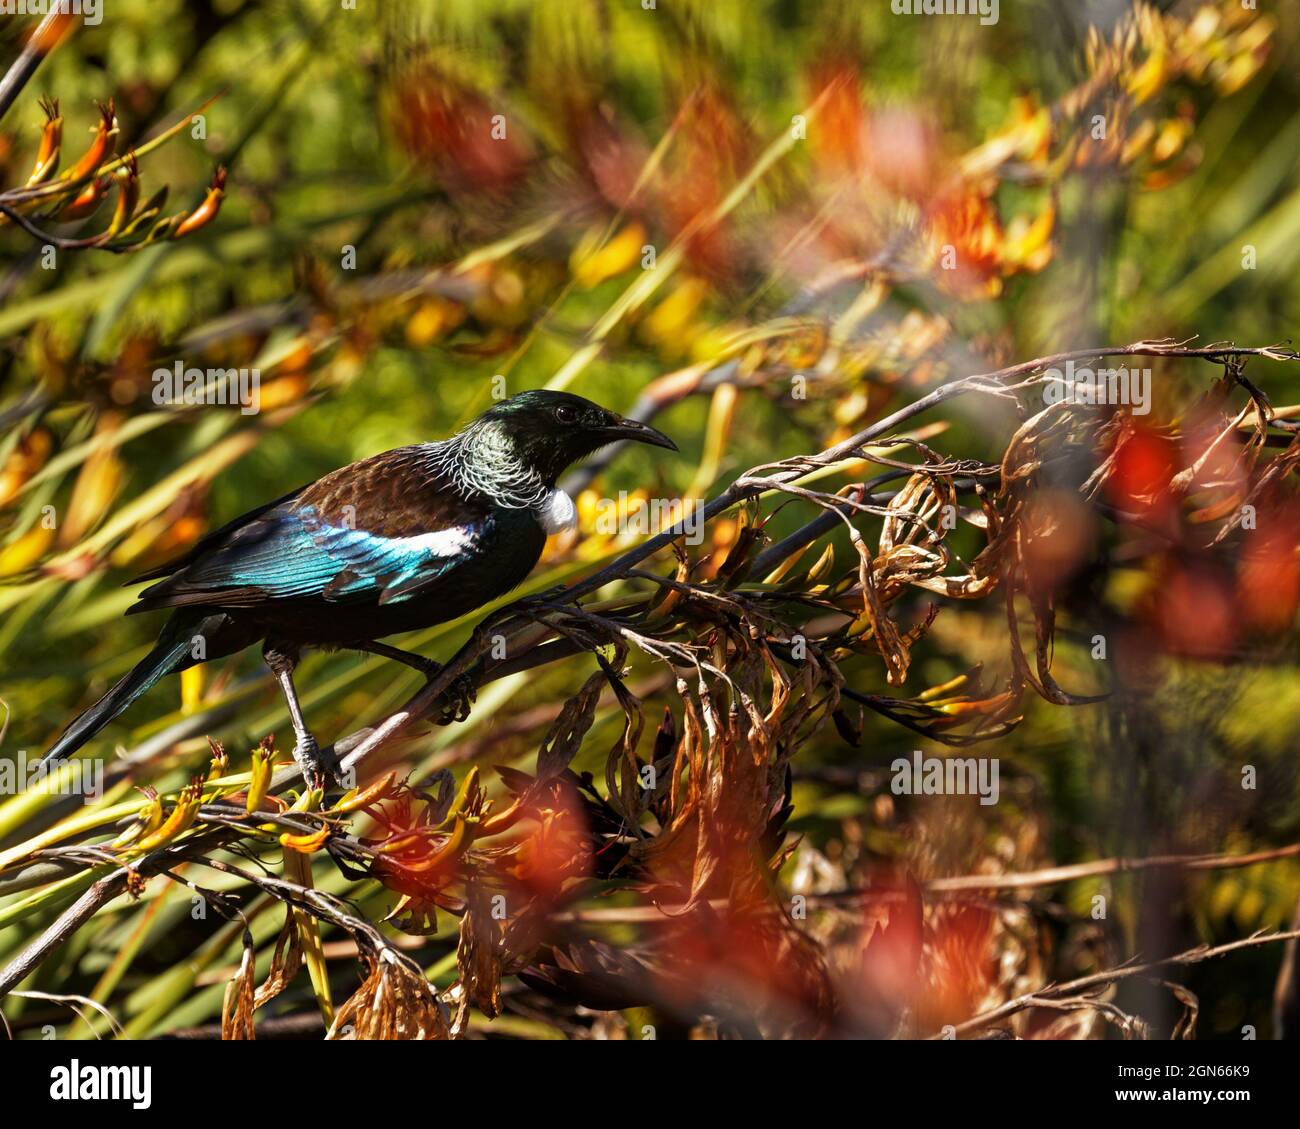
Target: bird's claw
460	696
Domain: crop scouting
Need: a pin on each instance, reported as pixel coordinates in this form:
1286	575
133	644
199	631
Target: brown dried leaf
567	731
238	1004
394	1001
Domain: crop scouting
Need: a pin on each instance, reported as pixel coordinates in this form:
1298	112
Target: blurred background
680	208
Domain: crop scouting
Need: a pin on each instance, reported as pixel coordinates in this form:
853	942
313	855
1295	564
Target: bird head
547	431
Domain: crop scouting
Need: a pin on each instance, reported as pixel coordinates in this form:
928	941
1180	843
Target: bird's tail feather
172	653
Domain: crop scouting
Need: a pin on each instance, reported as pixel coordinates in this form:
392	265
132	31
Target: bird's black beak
639	432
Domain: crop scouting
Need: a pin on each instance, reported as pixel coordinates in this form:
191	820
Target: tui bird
396	542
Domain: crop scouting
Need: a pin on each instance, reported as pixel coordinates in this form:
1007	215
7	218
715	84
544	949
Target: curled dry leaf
394	1001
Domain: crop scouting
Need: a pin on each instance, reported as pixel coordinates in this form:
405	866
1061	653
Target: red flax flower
469	144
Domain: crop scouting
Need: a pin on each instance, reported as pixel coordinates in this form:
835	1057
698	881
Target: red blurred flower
471	145
1145	462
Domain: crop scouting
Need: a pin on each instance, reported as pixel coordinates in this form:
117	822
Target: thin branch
63	927
1050	876
73	1001
1098	980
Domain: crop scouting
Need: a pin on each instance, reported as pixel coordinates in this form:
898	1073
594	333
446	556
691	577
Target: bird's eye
566	414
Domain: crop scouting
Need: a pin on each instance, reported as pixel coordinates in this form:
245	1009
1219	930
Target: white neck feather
483	460
558	513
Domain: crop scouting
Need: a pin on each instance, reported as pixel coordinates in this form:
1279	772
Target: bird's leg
460	694
428	667
282	659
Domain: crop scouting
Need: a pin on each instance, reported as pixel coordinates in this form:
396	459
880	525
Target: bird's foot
315	769
459	696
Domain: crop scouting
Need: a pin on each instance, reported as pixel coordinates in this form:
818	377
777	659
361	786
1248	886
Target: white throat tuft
557	512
